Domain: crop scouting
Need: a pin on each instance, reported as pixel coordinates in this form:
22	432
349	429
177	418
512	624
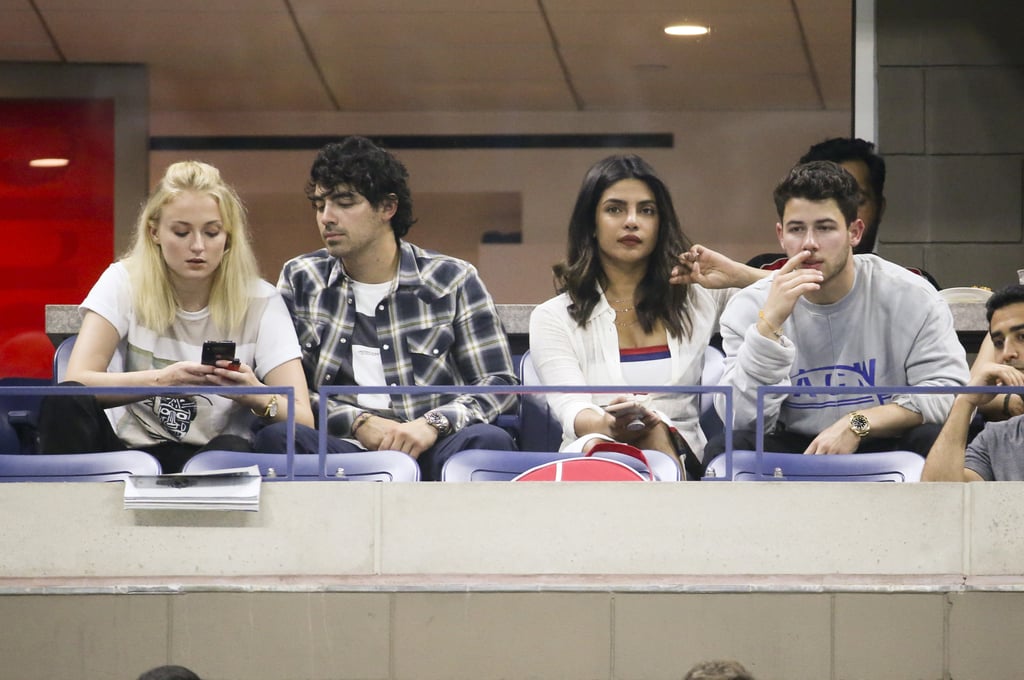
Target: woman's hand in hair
709	268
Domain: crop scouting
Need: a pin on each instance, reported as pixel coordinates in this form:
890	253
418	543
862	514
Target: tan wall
362	580
721	173
951	89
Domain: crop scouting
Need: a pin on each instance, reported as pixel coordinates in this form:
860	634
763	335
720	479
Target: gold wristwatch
269	412
859	424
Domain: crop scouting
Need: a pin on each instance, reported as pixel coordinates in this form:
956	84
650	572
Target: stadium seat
360	466
885	466
108	466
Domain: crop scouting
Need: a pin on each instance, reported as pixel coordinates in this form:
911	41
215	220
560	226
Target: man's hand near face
789	284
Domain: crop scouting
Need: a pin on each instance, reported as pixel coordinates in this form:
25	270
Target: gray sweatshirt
891	329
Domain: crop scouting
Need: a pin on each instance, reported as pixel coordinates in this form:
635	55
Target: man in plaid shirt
371	309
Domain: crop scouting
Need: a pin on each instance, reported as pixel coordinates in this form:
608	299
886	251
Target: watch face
859	424
437	421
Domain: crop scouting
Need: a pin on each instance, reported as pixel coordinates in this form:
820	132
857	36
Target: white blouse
564	353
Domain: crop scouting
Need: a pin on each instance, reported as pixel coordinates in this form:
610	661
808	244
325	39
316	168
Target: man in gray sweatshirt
832	318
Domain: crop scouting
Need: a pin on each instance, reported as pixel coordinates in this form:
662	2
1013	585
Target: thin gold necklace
627	309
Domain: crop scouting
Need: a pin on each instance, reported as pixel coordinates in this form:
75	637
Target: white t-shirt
367	367
266	341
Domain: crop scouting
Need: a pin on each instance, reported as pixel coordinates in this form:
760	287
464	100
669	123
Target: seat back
539	429
19	415
486	465
8	436
360	466
885	466
60	358
714	366
108	466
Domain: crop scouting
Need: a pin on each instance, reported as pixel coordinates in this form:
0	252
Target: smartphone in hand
623	409
628	409
220	350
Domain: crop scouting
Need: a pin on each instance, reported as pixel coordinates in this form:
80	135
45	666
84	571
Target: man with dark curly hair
374	310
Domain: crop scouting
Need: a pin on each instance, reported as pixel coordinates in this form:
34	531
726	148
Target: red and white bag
590	467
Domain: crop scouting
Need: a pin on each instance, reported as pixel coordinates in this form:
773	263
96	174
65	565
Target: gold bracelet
775	331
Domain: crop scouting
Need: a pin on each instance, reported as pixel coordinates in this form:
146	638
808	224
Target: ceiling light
687	29
48	162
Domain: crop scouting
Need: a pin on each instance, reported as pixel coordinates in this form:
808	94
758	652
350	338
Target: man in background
997	452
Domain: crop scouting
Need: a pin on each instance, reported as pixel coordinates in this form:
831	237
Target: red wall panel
56	223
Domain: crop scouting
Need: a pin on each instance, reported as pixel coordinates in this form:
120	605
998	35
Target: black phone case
217	350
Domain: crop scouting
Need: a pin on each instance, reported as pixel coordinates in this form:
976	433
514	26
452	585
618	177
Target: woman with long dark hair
629	312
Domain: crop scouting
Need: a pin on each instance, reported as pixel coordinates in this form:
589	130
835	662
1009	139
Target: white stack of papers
230	489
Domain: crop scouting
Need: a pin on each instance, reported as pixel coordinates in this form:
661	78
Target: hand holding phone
628	409
220	350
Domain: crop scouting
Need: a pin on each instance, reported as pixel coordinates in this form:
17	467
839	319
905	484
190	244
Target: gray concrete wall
951	92
363	580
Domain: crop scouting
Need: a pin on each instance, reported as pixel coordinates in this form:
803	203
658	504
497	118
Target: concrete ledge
714	536
503	583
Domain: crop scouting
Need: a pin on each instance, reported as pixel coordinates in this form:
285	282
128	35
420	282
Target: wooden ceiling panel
450	55
22	37
422	95
327	28
257	41
458	63
690	8
710	93
186	10
590	62
729	30
415	6
169	92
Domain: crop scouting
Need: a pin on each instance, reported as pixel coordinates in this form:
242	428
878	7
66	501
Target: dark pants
479	436
78	424
917	439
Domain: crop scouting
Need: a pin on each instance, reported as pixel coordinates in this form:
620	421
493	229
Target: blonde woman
190	277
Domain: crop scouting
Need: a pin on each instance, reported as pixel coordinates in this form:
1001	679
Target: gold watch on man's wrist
859	424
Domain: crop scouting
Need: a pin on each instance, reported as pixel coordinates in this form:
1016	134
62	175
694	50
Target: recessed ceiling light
48	162
687	29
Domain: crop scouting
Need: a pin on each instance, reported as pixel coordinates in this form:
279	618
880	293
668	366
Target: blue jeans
479	436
